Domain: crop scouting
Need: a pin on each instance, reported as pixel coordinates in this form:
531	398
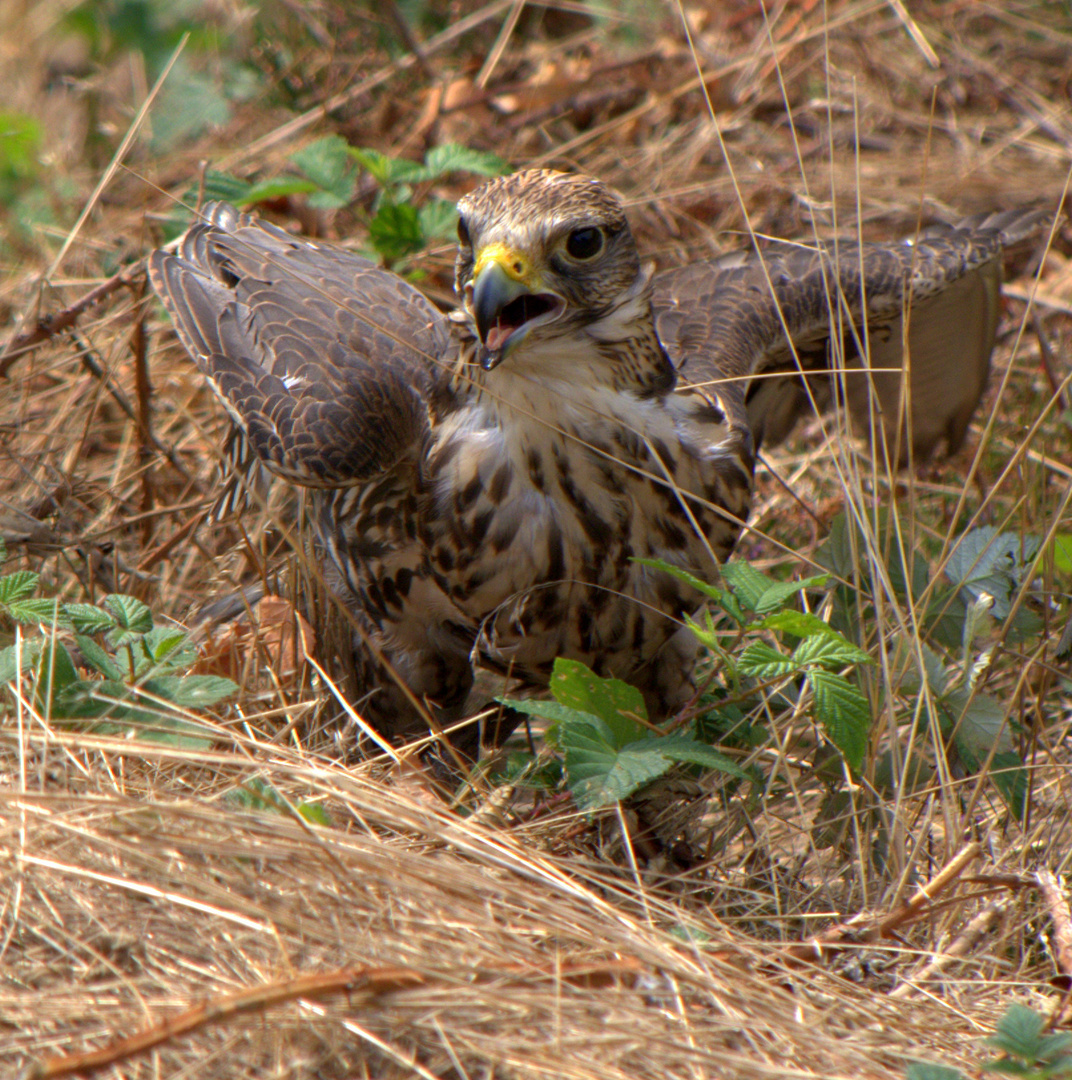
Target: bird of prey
484	482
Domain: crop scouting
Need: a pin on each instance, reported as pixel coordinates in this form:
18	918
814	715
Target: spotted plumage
483	482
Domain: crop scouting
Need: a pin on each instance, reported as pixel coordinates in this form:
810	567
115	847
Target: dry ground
396	937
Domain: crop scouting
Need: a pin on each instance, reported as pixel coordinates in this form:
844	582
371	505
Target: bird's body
484	484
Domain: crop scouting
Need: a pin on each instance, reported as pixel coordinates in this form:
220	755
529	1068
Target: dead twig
866	928
361	984
963	944
48	326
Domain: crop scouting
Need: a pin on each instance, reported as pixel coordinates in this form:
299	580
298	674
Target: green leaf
379	166
1062	553
131	616
844	713
764	662
614	702
546	710
683	749
315	814
189	691
453	157
1019	1033
16	658
748	583
438	219
98	658
17	585
980	727
701	586
600	771
268	190
986	561
829	650
328	163
774	596
88	618
395	231
37	609
218	185
928	1070
55	673
800	624
170	646
905	672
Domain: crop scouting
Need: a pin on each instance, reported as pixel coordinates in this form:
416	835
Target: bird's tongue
498	334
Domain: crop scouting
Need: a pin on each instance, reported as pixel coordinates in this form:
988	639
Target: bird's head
542	255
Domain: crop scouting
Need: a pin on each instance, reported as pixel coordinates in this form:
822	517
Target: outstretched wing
327	363
763	320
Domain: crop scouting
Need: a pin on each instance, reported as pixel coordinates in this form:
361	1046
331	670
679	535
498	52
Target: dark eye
584	243
463	232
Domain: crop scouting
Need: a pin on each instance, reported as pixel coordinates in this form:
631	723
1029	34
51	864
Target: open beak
505	302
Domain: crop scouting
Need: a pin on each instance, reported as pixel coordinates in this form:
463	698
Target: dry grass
134	885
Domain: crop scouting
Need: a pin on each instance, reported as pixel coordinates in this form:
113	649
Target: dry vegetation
397	937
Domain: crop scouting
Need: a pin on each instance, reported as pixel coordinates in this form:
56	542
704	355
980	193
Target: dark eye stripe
463	232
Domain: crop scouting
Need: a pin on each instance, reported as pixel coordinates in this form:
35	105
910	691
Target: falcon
483	483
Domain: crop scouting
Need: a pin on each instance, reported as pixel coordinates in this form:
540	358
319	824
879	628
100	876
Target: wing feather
329	365
763	320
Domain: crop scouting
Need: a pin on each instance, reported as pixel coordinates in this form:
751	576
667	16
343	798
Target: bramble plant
330	168
1029	1052
140	677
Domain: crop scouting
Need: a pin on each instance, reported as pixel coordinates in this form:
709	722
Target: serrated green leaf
15	658
748	583
1018	1032
615	702
131	615
269	190
800	624
774	596
454	157
905	671
438	219
37	609
991	562
98	658
713	592
217	185
599	772
315	814
53	675
328	162
680	748
16	585
88	618
547	710
844	713
378	165
830	650
764	662
395	231
189	691
1062	553
928	1070
169	645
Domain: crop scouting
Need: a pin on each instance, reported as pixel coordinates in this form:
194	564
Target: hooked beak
504	305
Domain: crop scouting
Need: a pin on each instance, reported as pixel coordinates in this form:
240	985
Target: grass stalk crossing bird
483	482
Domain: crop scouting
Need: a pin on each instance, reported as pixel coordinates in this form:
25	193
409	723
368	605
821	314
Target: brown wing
735	318
327	363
